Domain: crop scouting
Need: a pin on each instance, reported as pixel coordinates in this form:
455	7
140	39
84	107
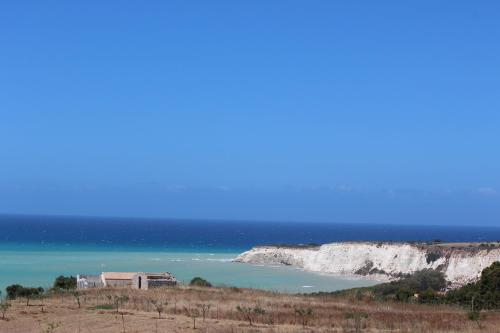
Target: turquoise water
36	249
39	265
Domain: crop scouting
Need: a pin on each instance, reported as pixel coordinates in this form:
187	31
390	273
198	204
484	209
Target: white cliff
460	264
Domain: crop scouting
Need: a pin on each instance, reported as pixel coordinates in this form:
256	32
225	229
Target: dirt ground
268	312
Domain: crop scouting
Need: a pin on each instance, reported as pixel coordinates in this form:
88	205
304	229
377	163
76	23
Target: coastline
38	267
461	263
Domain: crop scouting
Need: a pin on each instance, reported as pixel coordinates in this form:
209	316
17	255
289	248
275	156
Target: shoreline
35	268
460	262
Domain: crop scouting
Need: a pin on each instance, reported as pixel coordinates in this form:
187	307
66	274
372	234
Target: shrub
403	294
119	300
199	282
485	292
304	314
13	291
432	256
428	296
412	284
357	318
403	289
65	282
16	290
250	312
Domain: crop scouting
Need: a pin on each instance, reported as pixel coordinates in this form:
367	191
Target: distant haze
282	110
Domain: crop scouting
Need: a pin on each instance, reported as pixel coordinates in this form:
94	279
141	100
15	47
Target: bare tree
160	306
205	308
41	298
119	300
174	294
123	322
4	306
193	313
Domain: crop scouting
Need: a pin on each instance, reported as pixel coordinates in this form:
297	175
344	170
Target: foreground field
230	310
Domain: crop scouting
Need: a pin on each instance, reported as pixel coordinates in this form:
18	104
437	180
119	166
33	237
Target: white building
139	280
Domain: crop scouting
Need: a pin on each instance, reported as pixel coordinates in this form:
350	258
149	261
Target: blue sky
335	111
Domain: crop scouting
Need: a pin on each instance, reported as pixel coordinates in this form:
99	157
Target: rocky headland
460	263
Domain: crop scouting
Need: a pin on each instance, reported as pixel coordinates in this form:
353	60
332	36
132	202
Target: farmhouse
136	280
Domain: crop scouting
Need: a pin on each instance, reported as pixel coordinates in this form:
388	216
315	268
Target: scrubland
197	309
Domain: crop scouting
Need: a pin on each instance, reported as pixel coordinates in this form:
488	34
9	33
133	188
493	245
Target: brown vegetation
216	310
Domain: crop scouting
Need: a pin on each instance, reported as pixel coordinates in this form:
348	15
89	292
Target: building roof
159	274
118	275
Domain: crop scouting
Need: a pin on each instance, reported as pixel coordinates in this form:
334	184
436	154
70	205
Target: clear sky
335	111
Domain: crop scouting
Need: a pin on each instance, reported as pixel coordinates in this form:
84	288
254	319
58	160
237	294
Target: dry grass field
216	310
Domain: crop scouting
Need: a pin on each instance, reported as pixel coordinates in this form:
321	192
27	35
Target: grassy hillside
230	310
415	303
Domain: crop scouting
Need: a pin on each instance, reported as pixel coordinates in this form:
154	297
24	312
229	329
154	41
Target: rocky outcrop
459	263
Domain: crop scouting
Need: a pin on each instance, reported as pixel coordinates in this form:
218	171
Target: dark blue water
216	235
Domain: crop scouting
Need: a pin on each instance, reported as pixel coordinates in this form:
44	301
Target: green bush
13	291
485	292
403	295
428	296
65	282
16	290
403	289
199	282
415	283
432	256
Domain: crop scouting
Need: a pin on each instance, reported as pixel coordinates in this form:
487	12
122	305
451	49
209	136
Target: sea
36	249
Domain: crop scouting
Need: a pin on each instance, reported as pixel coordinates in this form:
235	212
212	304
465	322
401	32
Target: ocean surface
36	249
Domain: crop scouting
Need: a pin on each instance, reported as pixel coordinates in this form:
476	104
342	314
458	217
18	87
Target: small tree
205	307
123	322
247	313
118	301
16	290
41	297
13	291
65	282
474	313
76	295
160	306
30	293
304	314
4	306
174	295
193	313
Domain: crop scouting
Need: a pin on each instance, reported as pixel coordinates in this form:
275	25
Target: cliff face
380	260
